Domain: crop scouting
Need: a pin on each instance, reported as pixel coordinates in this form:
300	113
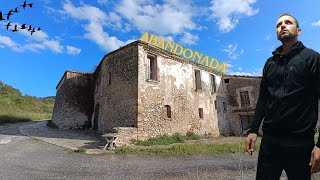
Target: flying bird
33	30
30	28
15	29
39	29
1	18
23	26
30	5
7	26
24	5
15	10
9	14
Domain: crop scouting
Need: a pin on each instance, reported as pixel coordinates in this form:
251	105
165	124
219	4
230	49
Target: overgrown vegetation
80	150
15	107
35	140
165	139
186	149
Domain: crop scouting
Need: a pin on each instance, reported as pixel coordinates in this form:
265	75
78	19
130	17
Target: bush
80	150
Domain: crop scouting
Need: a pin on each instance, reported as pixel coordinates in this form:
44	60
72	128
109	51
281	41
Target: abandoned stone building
242	94
141	91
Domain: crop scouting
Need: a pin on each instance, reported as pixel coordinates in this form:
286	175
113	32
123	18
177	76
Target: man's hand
251	141
315	160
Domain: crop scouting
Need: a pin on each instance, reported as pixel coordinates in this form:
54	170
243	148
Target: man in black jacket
288	104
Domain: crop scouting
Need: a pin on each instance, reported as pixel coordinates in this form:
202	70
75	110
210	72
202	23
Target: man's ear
299	31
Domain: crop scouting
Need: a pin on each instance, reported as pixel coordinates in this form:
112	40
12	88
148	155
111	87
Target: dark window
198	79
224	106
226	80
109	82
215	104
201	113
245	121
244	97
213	83
153	72
167	111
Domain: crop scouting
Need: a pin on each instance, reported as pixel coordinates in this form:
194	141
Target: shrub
80	150
192	136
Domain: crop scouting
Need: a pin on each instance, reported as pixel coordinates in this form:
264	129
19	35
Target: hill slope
15	107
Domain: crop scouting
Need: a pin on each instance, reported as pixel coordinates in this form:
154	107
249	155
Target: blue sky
76	35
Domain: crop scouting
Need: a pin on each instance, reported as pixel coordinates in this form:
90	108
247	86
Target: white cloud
8	42
255	72
172	17
44	40
97	19
233	52
34	47
316	23
85	12
102	1
39	40
268	37
229	65
73	50
189	38
228	13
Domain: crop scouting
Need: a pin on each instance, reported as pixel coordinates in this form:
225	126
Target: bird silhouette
39	29
30	5
30	27
33	30
15	29
24	5
9	14
1	18
7	26
15	10
23	26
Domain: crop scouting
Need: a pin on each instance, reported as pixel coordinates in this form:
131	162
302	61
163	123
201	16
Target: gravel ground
23	157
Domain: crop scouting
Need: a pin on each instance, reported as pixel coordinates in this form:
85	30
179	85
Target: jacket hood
298	46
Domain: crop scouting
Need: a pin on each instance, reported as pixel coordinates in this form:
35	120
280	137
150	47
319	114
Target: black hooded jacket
289	92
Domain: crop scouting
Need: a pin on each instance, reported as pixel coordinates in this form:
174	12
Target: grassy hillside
14	107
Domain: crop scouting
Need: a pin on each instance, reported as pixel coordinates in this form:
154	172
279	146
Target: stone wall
74	100
175	87
234	85
116	90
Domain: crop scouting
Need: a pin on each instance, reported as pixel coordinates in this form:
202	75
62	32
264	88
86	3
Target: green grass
81	150
162	140
174	145
35	140
16	107
12	119
186	149
165	139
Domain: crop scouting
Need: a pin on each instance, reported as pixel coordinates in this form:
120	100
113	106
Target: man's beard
286	38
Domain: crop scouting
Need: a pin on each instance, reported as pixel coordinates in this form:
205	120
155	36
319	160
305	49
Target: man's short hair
288	14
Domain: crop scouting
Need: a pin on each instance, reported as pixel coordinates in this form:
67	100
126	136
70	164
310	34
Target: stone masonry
74	100
234	85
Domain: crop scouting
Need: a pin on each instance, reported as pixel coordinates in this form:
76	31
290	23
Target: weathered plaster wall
175	87
117	95
74	100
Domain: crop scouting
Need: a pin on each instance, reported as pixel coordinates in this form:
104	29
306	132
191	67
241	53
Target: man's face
286	29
